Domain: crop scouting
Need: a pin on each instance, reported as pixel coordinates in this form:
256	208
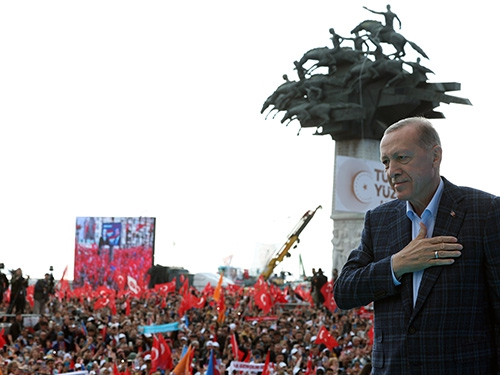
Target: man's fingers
445	239
444	254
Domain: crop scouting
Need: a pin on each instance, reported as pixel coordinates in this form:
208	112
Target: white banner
360	184
245	367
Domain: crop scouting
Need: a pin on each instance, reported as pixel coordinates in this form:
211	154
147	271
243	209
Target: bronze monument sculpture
362	89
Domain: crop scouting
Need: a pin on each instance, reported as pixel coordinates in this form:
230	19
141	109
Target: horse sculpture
387	35
283	94
383	66
329	57
306	110
321	113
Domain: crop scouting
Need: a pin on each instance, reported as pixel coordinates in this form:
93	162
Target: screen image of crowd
173	328
107	247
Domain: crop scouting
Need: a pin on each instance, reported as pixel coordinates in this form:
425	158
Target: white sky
152	108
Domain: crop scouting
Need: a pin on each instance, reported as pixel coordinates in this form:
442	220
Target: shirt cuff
394	278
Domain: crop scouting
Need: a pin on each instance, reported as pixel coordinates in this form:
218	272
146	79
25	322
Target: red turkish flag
238	354
260	283
365	313
166	354
155	353
198	302
112	306
127	307
64	289
304	294
234	347
185	304
184	287
166	288
263	298
6	296
2	338
104	291
30	292
101	302
324	337
120	280
278	295
371	335
266	370
327	291
208	290
234	289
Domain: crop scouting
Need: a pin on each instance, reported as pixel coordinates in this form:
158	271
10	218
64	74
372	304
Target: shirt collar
433	205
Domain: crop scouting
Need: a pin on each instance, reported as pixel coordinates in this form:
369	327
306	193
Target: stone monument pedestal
347	226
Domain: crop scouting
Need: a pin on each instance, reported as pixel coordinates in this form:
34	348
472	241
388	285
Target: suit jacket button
412	330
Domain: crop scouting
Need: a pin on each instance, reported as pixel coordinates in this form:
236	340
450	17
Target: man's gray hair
427	134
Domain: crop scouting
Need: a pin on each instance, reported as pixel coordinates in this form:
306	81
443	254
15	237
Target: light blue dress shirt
429	219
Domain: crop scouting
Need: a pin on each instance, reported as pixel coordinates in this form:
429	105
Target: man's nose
393	170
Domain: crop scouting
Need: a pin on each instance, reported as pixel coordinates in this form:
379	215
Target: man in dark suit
430	261
319	279
4	283
18	285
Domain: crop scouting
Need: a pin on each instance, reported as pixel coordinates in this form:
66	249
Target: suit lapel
448	222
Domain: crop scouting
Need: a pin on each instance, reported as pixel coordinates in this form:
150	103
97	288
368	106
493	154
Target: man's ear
437	154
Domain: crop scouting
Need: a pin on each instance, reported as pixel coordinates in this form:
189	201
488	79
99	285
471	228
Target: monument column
347	226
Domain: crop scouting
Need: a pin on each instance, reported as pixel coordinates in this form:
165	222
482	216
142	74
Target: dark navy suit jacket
454	326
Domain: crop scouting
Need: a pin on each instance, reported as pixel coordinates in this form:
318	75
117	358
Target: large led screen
109	249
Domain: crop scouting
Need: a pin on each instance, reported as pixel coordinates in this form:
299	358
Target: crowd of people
427	322
71	335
